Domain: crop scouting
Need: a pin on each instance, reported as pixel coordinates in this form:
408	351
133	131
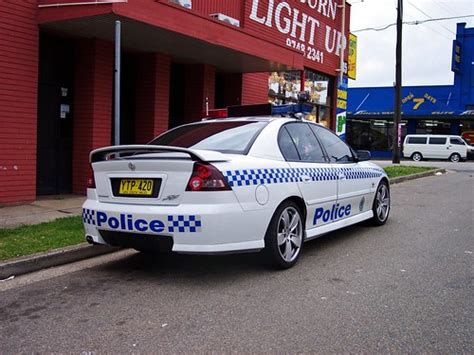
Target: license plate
136	187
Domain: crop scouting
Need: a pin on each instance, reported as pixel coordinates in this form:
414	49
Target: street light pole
118	35
398	87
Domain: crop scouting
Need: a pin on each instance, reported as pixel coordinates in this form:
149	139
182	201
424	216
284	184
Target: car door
357	181
317	181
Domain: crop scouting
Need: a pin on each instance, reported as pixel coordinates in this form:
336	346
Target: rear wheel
284	237
455	158
381	205
416	156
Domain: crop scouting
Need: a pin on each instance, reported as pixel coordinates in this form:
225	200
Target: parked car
232	185
423	146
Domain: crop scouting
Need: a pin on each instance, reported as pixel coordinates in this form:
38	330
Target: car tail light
91	179
206	177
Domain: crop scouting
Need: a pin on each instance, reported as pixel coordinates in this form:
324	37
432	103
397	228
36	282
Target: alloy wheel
382	202
289	234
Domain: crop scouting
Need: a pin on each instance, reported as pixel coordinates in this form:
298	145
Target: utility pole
398	87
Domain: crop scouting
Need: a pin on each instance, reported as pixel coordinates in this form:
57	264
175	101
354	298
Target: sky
426	50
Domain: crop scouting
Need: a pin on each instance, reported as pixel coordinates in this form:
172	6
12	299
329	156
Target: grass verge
396	171
28	240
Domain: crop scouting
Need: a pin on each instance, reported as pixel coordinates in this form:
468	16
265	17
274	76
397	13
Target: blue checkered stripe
88	216
248	177
182	224
318	174
361	173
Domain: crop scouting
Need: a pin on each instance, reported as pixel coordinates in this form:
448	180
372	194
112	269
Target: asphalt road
406	287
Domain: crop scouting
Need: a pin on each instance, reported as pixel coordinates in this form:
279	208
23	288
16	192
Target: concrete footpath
48	209
44	209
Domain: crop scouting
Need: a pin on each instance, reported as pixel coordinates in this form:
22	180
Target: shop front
179	60
430	109
425	110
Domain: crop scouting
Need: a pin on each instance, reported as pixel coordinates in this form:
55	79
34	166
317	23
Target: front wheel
455	158
381	205
284	237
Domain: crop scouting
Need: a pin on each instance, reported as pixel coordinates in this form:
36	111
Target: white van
425	146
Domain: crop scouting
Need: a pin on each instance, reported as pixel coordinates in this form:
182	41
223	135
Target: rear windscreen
226	137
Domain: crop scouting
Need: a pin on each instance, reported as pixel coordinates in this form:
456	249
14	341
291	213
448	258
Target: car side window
287	147
338	151
416	140
437	140
456	141
305	142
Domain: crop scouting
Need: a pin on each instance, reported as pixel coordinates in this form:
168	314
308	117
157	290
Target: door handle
306	178
342	177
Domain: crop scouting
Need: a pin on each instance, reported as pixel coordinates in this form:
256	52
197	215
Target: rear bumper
191	228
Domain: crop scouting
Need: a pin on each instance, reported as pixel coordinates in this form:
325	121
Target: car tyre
417	156
381	204
285	236
455	158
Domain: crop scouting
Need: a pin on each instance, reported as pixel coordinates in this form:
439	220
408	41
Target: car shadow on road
195	268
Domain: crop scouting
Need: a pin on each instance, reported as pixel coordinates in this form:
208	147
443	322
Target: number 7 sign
418	102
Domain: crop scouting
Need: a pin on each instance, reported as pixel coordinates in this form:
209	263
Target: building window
433	127
319	87
375	135
283	87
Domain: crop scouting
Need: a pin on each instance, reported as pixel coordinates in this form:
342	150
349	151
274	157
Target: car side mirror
363	155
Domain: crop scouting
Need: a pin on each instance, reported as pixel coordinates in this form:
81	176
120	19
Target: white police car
231	185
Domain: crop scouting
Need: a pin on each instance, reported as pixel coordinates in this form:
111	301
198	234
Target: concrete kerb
35	262
400	179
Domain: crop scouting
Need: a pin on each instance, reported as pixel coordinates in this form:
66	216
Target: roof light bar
292	109
261	110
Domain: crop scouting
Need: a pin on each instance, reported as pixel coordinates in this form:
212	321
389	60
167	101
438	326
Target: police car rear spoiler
126	151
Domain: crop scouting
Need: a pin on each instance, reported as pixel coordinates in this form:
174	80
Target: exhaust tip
89	239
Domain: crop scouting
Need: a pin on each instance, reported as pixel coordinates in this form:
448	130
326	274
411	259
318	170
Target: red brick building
57	71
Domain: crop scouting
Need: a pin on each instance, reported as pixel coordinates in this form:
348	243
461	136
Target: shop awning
186	36
433	115
418	102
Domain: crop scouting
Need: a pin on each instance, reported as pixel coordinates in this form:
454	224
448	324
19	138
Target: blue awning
417	102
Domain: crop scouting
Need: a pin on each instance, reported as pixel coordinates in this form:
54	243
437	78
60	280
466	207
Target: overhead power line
415	22
427	15
445	8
